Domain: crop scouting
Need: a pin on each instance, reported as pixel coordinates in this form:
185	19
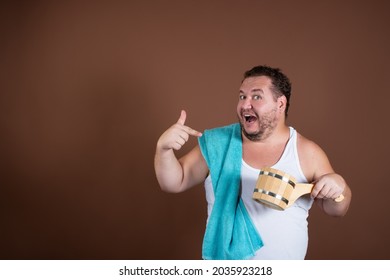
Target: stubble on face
267	123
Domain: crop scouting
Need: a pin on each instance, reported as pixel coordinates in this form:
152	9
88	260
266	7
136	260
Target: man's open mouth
249	118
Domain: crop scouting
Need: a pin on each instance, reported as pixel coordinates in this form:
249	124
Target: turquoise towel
230	233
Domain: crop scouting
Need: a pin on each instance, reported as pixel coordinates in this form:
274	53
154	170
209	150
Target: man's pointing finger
188	129
193	132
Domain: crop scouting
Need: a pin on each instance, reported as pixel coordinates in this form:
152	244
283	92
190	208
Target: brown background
87	88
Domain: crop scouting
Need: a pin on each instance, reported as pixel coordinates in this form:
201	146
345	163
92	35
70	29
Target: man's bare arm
177	175
328	185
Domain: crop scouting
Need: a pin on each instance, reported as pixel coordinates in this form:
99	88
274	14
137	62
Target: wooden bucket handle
301	189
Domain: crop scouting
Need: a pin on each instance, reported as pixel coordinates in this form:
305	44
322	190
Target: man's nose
247	103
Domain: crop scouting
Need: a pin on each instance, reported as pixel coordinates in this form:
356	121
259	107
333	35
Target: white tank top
284	233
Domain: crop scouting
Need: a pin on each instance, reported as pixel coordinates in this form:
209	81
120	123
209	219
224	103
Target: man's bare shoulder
312	157
307	146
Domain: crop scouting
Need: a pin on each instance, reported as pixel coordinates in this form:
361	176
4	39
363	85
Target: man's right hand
177	135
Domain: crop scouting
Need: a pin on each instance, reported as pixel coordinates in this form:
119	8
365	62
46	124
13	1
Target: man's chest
262	156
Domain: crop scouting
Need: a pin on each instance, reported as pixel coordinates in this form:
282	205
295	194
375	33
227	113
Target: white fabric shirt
284	233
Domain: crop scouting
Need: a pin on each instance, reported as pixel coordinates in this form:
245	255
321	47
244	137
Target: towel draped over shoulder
230	233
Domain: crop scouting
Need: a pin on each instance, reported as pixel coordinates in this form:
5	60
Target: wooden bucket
279	190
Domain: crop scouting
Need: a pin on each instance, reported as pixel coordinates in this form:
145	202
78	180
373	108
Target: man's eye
242	97
256	97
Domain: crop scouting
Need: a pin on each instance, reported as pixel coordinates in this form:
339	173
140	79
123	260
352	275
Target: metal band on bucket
284	179
277	196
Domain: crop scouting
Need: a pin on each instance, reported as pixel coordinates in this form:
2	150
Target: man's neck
280	133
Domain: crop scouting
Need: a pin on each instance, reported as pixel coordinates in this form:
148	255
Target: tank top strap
289	161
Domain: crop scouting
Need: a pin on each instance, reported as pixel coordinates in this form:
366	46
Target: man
229	159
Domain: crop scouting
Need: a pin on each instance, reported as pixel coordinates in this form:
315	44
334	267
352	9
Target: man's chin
251	135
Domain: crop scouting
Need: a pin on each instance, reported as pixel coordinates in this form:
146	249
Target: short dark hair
281	85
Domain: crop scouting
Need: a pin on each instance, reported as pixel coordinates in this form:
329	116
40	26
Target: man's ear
282	103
